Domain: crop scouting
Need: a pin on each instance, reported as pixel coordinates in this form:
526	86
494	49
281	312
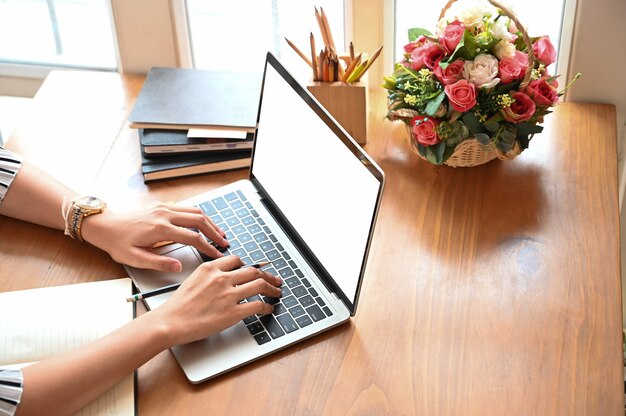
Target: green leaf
421	149
434	153
504	146
467	48
448	152
492	126
506	88
520	45
482	138
433	105
389	83
524	131
472	123
416	32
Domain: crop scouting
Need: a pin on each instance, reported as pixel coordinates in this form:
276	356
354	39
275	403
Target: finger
184	236
247	274
217	227
256	307
201	222
257	287
191	210
227	263
145	259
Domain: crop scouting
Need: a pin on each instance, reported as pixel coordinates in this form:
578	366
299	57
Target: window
548	22
57	32
236	35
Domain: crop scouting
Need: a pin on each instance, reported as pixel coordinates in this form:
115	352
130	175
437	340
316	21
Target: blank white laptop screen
326	193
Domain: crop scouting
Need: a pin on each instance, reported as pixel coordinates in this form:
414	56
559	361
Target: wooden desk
490	290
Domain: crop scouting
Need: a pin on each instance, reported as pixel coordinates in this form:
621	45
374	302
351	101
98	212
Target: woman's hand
130	237
208	301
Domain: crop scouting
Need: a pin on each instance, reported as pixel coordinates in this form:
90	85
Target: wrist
94	227
81	208
162	331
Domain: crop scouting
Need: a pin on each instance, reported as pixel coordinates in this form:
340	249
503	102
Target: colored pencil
369	63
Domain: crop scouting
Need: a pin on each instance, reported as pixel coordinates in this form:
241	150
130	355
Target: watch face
90	202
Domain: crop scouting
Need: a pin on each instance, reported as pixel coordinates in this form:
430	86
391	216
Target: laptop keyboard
251	239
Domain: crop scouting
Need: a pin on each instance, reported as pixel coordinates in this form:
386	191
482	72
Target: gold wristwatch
83	206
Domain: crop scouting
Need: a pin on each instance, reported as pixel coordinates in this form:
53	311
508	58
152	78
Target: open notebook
39	323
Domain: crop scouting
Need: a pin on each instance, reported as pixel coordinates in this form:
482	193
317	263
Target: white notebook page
39	323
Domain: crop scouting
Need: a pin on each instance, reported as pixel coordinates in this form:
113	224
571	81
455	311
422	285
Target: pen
173	287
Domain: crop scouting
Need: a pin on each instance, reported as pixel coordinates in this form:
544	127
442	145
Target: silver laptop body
309	205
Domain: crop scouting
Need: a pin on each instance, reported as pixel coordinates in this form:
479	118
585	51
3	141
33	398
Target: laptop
309	206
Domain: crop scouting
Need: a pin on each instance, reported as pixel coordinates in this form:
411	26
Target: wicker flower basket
470	152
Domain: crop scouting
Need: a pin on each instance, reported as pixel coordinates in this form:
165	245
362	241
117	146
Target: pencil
329	35
303	56
313	57
369	63
355	62
171	288
357	72
321	26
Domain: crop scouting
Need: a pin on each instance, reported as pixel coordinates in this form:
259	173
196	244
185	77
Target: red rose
452	35
451	74
509	70
541	92
544	51
424	128
522	108
462	95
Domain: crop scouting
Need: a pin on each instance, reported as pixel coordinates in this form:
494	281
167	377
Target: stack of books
195	121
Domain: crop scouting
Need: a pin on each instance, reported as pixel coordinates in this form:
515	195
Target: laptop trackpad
153	279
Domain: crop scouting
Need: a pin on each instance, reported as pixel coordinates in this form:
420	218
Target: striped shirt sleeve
10	164
11	385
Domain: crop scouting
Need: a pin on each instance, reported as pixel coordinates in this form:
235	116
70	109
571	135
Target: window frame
164	41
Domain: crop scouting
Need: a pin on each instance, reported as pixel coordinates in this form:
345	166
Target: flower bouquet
475	90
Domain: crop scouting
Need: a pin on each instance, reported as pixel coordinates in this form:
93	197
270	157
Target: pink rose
522	59
408	48
432	55
509	70
424	128
544	51
417	57
452	35
541	92
522	108
451	74
462	95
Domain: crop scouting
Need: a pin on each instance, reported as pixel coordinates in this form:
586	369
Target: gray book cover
184	98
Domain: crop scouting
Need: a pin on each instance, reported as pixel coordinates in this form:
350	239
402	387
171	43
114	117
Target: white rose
499	30
482	71
504	49
473	17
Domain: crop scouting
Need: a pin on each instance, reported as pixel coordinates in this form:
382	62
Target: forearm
36	197
74	379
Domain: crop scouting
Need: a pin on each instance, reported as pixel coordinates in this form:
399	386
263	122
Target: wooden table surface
489	290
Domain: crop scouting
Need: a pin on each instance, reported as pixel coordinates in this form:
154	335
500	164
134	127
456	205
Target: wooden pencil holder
347	103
